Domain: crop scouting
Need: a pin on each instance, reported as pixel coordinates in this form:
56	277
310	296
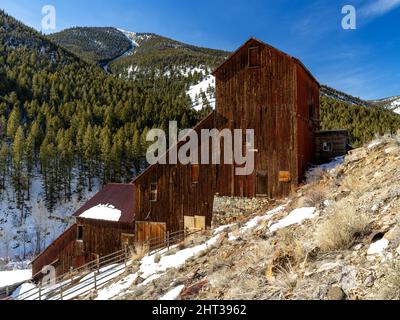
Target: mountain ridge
134	60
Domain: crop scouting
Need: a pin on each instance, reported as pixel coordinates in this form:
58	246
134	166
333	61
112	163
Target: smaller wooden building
103	226
330	144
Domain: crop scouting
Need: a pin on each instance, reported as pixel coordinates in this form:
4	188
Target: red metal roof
121	196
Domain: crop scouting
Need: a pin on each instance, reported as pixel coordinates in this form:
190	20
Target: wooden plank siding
307	96
177	195
338	141
99	238
102	237
271	99
60	254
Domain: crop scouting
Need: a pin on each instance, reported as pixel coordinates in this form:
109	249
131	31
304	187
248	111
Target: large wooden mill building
258	87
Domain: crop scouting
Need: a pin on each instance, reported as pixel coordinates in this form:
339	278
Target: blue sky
363	62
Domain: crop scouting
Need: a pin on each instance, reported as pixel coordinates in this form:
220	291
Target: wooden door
152	233
262	183
195	223
200	223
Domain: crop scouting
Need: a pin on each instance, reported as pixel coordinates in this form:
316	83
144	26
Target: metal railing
69	285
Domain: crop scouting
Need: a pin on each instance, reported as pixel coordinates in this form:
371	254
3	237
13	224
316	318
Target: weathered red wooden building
262	88
103	225
258	87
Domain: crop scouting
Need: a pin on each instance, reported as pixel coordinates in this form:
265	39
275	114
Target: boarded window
284	176
254	57
195	173
189	223
200	222
153	192
195	223
327	147
79	236
262	183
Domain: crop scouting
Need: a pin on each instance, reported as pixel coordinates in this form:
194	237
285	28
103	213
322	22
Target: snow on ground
8	278
374	144
173	294
333	164
149	267
132	37
259	219
378	247
297	216
85	285
104	212
25	288
196	90
223	228
116	288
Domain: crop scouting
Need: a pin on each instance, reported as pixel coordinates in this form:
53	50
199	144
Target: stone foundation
230	209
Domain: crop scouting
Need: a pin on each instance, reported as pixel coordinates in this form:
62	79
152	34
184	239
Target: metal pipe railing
68	280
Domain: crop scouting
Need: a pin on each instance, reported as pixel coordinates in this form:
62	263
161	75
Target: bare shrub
355	185
157	258
182	245
285	280
341	229
290	246
391	289
315	195
139	251
315	175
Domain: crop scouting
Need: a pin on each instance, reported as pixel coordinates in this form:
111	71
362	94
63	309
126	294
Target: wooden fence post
71	272
95	281
61	292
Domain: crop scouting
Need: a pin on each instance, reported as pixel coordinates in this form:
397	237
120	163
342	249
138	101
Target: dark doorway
262	183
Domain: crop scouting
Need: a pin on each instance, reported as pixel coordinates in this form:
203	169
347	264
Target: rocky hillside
337	238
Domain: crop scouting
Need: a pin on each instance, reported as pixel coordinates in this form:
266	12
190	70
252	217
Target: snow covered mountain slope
203	93
26	232
392	103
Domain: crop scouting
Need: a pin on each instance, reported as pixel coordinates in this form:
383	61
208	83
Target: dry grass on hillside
342	228
315	195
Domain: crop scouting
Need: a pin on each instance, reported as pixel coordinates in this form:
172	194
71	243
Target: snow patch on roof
102	212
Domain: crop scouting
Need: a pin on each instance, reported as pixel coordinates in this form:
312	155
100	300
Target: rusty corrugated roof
121	196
